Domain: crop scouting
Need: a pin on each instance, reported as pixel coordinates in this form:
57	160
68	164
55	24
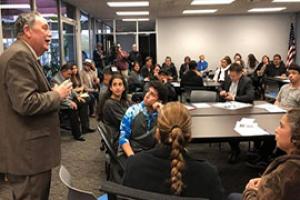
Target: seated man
73	107
169	66
192	77
287	98
163	77
276	68
236	88
139	122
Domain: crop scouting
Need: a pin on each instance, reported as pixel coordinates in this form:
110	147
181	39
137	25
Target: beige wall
217	36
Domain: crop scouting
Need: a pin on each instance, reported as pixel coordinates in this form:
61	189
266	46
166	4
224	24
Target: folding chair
74	193
111	162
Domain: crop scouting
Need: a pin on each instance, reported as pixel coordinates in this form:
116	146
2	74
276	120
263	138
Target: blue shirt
131	113
202	65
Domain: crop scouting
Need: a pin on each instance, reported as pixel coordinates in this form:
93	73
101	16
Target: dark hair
168	57
277	55
227	59
174	124
108	94
187	57
294	67
252	61
239	55
293	117
66	66
235	67
135	63
107	70
265	56
161	90
25	19
75	78
148	58
192	65
163	72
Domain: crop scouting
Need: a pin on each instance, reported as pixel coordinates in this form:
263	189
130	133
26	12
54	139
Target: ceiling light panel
199	11
132	13
211	2
128	4
275	9
286	1
133	20
14	6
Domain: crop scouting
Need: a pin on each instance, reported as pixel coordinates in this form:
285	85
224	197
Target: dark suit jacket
245	90
150	170
29	132
191	79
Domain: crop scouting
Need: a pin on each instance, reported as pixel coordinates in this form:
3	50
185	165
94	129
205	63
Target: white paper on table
232	105
175	84
247	127
189	107
270	107
201	105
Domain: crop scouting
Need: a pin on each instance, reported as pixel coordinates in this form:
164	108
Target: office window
146	26
9	16
125	26
67	10
50	60
85	37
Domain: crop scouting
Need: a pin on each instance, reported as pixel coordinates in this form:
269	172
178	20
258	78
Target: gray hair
25	19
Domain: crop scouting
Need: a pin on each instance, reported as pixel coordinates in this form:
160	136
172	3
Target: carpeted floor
85	162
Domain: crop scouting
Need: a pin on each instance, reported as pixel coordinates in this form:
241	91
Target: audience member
202	64
238	58
135	80
260	70
170	68
252	65
139	122
121	60
236	88
78	88
146	69
30	138
154	75
135	56
168	168
98	57
281	179
276	68
223	71
184	67
164	79
76	110
91	84
192	77
113	106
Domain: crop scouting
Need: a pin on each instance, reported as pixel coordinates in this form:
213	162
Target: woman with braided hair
168	168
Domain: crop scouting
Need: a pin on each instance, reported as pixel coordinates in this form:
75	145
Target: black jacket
150	170
191	79
245	90
272	71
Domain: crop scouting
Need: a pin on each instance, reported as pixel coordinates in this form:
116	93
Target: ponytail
177	161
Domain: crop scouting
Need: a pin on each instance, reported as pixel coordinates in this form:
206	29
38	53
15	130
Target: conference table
217	124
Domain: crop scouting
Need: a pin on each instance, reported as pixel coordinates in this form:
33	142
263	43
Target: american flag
292	47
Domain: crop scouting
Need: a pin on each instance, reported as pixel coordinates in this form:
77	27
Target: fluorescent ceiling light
49	15
132	13
199	11
129	4
275	9
133	20
15	6
286	1
211	2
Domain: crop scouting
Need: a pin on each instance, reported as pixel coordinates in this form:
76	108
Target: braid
174	123
177	161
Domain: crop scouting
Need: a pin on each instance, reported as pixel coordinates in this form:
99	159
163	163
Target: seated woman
135	80
168	168
113	105
281	180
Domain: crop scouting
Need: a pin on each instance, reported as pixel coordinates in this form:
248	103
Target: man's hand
223	93
229	97
64	89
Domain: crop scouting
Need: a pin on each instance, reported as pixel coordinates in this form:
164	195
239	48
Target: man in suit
236	87
30	140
